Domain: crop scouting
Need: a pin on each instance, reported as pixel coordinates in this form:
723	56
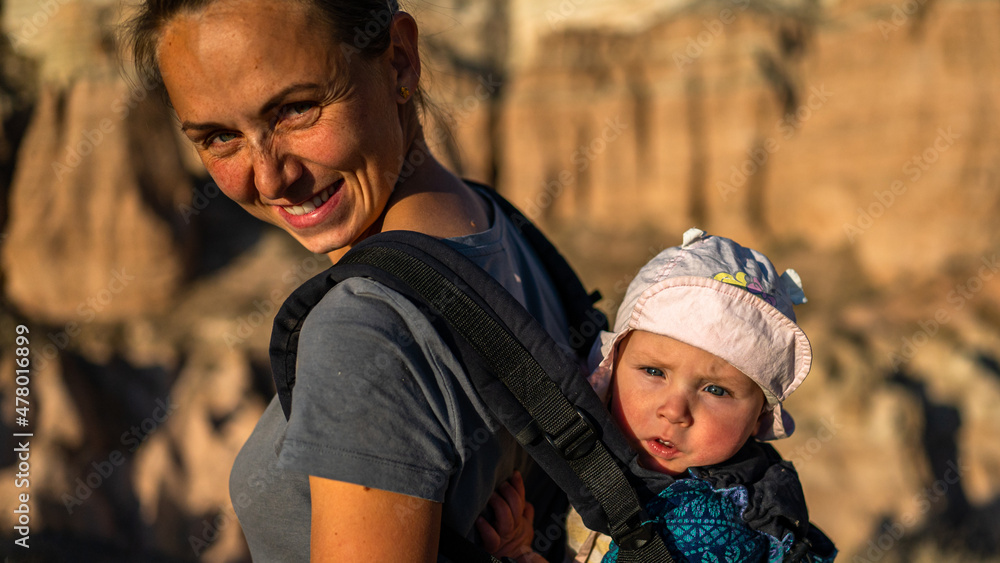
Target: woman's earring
405	92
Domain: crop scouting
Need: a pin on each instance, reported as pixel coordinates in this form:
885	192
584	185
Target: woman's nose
273	172
675	406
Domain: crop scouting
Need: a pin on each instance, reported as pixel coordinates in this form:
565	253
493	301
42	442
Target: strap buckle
637	538
576	440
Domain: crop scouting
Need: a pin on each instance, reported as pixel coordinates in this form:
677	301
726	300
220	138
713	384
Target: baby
704	351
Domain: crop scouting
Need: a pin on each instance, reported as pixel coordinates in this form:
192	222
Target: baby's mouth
659	447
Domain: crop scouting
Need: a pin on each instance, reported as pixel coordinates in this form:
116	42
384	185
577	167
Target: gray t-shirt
381	401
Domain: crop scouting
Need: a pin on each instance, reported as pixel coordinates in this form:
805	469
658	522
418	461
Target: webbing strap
564	427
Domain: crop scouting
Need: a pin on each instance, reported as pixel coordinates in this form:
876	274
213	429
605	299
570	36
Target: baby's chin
651	463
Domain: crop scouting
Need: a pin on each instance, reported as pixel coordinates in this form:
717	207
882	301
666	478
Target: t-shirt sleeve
369	406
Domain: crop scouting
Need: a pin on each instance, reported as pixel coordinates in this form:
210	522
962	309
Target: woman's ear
405	57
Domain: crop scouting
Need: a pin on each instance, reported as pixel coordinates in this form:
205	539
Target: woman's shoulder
360	318
357	301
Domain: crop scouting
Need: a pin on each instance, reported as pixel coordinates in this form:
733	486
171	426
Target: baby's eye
653	371
716	390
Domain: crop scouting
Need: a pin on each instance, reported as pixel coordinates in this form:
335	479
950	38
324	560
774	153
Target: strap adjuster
575	441
637	538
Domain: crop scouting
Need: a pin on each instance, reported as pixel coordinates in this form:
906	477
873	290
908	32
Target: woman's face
297	133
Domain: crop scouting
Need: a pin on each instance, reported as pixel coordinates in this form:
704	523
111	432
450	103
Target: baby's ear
760	418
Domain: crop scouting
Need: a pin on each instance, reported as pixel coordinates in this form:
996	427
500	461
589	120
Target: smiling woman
308	131
294	132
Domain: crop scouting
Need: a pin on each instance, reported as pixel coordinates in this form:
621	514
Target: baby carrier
532	386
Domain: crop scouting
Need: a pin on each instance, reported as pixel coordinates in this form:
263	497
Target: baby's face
680	406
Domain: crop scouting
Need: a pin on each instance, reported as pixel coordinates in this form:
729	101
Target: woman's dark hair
360	26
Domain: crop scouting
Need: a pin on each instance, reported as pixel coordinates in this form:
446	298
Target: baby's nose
676	408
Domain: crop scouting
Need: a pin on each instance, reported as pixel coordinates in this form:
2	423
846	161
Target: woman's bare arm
355	523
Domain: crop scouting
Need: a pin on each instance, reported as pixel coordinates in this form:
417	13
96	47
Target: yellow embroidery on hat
749	283
740	279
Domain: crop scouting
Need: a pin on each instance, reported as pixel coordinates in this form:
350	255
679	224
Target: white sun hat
713	294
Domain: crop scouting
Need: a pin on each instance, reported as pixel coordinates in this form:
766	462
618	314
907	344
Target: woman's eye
716	390
220	139
653	371
297	109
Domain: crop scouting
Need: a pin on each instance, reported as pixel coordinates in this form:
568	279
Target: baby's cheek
622	417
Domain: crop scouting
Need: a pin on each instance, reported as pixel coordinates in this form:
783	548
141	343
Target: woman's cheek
233	179
324	144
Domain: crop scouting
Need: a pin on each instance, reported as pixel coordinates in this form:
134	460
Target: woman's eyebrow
271	103
188	126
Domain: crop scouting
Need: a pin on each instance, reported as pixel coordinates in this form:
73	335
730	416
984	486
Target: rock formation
855	141
95	227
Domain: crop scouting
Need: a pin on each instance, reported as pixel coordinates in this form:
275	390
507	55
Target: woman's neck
428	199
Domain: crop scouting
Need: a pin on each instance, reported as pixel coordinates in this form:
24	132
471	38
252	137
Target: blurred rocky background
857	141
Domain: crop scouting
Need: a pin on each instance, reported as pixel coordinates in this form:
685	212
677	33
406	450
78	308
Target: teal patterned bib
703	525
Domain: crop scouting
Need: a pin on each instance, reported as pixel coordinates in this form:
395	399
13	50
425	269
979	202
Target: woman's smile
310	205
313	212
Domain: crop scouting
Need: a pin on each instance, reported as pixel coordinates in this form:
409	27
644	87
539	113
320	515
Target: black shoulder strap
525	378
585	321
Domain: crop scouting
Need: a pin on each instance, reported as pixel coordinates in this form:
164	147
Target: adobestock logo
695	46
892	531
581	159
957	298
901	14
914	169
762	150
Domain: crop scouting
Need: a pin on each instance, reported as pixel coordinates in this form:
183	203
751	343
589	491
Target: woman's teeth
310	206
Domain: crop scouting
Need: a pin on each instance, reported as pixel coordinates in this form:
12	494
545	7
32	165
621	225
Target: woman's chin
316	246
323	238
